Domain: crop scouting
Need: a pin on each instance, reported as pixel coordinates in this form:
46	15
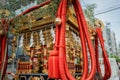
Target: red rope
62	41
57	34
0	51
3	50
64	72
53	63
105	57
57	60
97	55
83	45
60	36
3	55
87	36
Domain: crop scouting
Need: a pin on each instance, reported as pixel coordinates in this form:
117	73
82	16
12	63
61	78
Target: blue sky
113	16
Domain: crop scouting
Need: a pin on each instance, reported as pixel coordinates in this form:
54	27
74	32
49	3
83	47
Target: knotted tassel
53	65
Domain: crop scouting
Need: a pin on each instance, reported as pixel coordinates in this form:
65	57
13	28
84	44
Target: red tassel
53	65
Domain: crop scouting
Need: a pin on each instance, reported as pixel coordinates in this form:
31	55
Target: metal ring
99	23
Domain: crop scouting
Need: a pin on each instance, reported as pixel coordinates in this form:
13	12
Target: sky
112	16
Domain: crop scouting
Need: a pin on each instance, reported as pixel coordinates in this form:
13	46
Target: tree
89	13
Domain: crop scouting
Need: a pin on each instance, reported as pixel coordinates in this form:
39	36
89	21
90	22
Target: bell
58	21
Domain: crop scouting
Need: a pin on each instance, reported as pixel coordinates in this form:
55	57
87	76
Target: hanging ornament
58	21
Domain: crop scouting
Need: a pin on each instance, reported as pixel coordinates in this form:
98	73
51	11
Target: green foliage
40	1
41	12
52	7
89	13
13	5
115	56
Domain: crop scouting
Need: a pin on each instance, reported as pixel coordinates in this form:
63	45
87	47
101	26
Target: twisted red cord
64	73
97	55
63	29
62	41
87	36
57	32
105	57
1	39
83	45
3	50
53	63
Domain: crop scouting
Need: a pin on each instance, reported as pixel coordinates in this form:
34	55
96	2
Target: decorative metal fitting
58	21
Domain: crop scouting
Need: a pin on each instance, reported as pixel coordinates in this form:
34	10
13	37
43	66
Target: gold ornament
58	21
99	23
